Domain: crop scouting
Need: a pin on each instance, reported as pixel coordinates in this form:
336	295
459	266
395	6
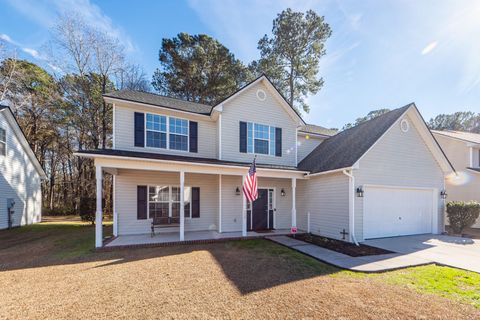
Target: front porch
214	207
166	238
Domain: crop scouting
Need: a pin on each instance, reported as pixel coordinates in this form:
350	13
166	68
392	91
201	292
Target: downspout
351	198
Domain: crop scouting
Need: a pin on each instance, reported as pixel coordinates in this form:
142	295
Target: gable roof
345	148
23	140
314	129
160	101
289	108
461	135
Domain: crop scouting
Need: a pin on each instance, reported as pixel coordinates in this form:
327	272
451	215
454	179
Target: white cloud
34	53
6	38
45	13
429	48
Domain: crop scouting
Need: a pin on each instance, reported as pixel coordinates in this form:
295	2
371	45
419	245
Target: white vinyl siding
18	180
326	198
306	145
247	107
126	199
466	187
398	159
124	131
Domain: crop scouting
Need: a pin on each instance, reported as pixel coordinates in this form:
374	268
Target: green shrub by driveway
462	215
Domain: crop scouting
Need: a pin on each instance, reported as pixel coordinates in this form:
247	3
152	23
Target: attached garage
395	173
396	211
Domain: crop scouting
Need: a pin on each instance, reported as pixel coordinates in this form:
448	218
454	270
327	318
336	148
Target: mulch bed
347	248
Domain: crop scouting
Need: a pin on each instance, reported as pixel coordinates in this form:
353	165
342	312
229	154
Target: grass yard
49	270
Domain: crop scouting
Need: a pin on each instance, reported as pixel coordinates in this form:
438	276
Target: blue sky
381	53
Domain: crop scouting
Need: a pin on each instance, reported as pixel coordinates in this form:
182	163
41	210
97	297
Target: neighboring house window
174	136
164	201
178	134
260	139
156	131
3	142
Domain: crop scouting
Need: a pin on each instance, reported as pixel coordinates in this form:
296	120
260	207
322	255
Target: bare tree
132	77
108	59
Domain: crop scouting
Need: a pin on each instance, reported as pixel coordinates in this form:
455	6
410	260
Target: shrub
87	209
462	214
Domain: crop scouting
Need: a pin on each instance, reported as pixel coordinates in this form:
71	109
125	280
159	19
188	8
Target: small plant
462	214
87	209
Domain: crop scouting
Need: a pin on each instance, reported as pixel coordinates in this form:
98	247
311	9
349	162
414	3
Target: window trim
170	200
145	130
269	140
167	132
4	142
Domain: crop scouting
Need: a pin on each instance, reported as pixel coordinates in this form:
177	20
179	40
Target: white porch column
99	213
244	210
182	206
294	205
115	215
220	203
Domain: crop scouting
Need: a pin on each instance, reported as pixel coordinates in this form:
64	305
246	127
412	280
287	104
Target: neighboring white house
20	184
463	149
167	152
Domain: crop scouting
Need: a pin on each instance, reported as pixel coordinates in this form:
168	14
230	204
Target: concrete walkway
463	253
375	263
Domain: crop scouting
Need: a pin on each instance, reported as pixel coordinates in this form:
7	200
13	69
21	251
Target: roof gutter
327	172
351	197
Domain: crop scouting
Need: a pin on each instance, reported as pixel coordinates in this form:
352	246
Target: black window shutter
278	142
141	202
139	129
195	202
243	137
193	128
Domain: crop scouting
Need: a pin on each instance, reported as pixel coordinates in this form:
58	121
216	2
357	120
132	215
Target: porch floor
174	237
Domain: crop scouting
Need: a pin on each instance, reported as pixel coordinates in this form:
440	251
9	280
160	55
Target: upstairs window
167	132
178	129
3	142
156	130
260	139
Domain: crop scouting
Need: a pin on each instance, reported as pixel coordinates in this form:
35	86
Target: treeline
63	111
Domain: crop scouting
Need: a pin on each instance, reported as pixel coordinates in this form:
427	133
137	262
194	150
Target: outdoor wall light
237	191
443	194
360	192
282	192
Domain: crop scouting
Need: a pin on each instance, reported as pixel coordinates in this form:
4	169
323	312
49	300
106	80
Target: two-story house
185	162
21	175
463	149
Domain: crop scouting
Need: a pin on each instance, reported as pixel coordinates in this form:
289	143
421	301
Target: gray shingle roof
160	101
345	148
312	128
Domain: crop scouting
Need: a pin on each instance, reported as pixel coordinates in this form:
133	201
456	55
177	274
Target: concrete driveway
456	252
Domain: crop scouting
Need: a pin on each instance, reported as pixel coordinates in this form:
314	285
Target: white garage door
390	212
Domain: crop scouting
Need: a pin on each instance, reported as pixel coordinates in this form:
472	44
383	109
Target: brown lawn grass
49	271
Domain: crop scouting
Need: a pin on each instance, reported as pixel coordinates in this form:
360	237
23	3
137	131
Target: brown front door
260	211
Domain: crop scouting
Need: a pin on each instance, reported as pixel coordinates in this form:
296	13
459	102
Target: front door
260	211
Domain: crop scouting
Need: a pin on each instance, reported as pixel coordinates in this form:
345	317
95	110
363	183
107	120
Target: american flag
250	185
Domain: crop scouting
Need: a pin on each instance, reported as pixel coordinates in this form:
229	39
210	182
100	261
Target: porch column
244	211
99	213
219	203
115	215
182	206
294	206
